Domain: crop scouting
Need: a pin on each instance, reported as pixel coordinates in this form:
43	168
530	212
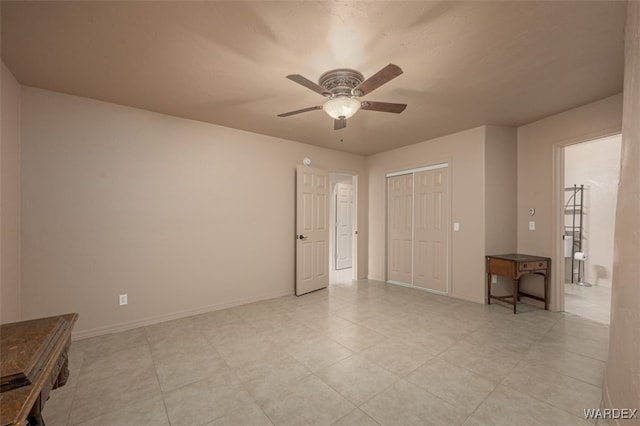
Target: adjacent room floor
593	303
361	353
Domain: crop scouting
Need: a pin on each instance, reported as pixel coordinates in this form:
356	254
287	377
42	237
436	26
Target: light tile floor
593	303
357	353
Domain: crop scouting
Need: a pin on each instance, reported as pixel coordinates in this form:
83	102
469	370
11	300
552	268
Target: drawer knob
524	266
540	264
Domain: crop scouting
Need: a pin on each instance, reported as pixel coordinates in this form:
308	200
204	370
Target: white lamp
341	108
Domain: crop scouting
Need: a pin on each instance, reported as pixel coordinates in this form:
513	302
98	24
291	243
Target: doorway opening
591	175
343	237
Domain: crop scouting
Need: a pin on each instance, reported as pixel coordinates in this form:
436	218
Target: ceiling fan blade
383	107
339	123
299	111
309	84
383	76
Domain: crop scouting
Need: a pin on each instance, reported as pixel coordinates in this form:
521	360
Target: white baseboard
375	278
116	328
399	283
428	290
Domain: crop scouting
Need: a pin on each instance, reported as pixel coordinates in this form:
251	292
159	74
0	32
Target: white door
344	226
401	229
431	225
312	229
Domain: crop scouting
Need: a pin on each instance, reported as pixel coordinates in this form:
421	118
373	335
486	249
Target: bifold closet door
431	222
400	228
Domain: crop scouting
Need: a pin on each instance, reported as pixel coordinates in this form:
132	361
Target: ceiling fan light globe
341	108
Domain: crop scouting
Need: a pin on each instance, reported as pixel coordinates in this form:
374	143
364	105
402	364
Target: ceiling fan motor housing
341	82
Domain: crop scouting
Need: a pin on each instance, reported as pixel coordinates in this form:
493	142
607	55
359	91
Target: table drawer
501	267
532	266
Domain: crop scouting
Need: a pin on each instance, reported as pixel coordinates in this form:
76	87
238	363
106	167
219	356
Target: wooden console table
515	266
34	359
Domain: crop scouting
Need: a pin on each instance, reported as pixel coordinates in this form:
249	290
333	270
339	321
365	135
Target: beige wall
464	151
621	387
596	165
540	177
10	198
182	216
501	177
535	162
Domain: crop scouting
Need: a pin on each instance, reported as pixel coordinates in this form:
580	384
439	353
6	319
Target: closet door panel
400	256
430	233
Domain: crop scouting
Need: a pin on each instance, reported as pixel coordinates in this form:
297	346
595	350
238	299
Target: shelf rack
574	207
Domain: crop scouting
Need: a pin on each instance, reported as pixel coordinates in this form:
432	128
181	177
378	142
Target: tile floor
357	353
593	303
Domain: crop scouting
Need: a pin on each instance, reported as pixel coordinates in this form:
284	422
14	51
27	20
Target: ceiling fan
343	87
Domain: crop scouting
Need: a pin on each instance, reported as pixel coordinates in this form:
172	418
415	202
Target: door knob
302	237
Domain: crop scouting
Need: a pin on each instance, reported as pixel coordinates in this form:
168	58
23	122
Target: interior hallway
358	353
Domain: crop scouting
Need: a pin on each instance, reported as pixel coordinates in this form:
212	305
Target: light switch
532	225
456	226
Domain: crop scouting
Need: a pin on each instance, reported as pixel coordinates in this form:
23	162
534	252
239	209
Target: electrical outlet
123	299
532	225
456	226
494	279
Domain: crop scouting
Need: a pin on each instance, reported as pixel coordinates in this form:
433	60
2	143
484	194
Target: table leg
35	420
515	294
546	291
489	288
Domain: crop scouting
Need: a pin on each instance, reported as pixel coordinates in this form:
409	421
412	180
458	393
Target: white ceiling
465	63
